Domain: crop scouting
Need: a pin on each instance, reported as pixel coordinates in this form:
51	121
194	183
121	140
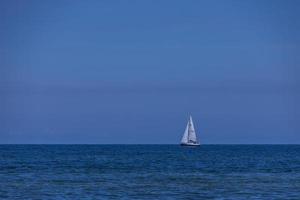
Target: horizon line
146	144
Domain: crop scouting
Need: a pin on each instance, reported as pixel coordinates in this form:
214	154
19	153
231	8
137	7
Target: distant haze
132	71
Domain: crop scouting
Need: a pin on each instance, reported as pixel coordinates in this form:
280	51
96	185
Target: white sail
189	136
185	135
192	133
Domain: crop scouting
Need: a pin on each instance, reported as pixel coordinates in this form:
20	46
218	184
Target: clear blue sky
132	71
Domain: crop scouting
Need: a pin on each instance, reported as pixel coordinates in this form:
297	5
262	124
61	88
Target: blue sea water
149	172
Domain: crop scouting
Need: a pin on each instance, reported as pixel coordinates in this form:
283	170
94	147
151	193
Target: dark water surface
149	172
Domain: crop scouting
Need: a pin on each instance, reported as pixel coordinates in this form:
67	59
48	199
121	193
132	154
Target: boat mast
189	128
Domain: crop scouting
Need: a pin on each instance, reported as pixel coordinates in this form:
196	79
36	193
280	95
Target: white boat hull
189	144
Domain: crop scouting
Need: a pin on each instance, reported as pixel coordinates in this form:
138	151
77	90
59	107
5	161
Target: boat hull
185	144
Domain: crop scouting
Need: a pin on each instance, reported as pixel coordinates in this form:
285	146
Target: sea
149	172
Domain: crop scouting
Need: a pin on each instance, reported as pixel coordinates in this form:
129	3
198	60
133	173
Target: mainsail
189	136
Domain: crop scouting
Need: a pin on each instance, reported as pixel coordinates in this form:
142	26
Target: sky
131	72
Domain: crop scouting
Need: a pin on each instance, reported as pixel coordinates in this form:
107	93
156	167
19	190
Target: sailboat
189	137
